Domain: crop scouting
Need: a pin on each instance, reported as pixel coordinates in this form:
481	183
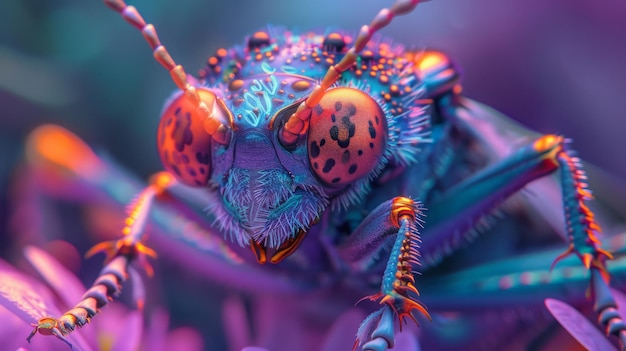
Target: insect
324	144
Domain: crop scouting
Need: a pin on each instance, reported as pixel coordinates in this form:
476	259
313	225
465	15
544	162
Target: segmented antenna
212	126
297	123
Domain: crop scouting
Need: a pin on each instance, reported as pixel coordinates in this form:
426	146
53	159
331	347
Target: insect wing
578	326
131	330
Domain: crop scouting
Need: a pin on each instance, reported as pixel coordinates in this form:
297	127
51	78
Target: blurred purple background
557	66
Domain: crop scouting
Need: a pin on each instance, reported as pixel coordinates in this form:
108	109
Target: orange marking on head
430	60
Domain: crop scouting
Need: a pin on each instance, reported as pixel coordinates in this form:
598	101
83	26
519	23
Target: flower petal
578	326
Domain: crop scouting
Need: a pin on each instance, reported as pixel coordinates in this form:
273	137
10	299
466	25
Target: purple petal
118	328
156	334
62	281
158	338
183	338
578	326
129	337
24	296
30	300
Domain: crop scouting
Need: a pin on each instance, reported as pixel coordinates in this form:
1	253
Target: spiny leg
511	290
475	197
392	223
120	254
486	125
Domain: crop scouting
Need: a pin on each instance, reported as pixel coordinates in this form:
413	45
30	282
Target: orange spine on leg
398	281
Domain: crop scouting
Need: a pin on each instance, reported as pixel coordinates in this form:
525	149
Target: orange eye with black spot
183	144
347	136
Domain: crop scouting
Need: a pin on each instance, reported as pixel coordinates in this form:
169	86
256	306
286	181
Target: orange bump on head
56	145
431	61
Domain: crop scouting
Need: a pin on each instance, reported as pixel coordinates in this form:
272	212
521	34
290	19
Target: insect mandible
326	144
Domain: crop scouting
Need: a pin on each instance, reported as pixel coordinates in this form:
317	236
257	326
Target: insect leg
62	156
499	136
393	223
480	193
523	279
120	254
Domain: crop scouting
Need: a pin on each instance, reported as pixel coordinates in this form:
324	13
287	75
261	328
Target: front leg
393	223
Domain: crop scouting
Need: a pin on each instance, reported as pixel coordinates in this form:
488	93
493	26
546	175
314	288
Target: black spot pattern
181	133
338	106
328	165
372	130
318	109
202	158
314	150
322	142
348	126
345	157
335	180
352	169
351	110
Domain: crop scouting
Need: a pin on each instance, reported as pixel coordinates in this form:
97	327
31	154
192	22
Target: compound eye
347	136
183	144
